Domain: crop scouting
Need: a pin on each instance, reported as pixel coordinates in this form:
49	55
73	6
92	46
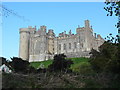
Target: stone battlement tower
39	45
24	43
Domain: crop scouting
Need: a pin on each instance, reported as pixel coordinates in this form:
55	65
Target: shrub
60	63
107	59
19	65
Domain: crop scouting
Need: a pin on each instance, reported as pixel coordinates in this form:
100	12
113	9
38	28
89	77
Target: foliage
19	65
112	39
14	80
60	63
74	67
57	80
112	8
4	61
85	68
107	59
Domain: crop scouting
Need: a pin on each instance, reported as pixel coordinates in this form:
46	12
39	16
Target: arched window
81	44
75	45
69	45
59	46
64	46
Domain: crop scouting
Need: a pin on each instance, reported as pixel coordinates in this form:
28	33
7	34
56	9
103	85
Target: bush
60	63
22	66
19	65
107	59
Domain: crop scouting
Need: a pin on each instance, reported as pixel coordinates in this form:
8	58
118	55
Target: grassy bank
83	79
75	67
38	64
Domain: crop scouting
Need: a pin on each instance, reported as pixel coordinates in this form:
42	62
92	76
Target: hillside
84	78
77	63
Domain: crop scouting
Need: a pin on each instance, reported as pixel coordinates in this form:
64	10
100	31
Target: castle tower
24	44
43	30
87	25
51	37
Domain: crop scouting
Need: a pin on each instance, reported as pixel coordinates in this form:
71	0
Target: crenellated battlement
43	44
24	30
43	28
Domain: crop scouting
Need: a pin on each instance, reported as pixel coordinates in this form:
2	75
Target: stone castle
39	45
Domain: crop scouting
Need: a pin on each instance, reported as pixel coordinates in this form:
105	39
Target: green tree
19	65
60	63
4	61
113	8
107	58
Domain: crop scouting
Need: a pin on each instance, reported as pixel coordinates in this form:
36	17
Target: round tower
24	43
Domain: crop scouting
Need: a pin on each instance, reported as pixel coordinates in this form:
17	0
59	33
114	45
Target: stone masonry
40	45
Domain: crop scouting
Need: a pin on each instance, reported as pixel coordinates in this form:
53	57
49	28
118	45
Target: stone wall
43	45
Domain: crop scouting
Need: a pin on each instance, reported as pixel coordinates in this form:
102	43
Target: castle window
69	45
59	46
64	46
82	44
75	45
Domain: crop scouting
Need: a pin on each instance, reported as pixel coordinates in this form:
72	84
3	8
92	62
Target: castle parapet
43	28
87	25
24	30
32	29
99	37
51	33
79	30
43	44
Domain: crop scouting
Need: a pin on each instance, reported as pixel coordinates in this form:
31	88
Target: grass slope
45	63
77	62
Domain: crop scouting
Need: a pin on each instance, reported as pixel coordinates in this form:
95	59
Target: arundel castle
39	45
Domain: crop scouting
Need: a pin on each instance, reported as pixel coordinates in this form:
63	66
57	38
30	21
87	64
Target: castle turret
51	37
95	35
98	37
80	30
32	30
51	33
43	30
70	33
87	23
24	44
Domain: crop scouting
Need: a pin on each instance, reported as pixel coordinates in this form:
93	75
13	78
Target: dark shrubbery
19	65
60	63
22	66
108	57
4	61
85	68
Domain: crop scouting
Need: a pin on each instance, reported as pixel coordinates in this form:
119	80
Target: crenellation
70	33
87	25
39	45
95	35
26	30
